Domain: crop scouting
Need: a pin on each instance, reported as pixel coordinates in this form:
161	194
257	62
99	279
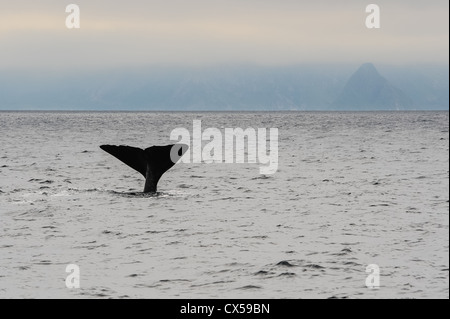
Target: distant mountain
368	90
226	88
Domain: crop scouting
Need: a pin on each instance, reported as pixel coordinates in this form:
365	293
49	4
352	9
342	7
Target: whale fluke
152	162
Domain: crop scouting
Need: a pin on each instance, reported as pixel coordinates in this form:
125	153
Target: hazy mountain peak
368	66
368	89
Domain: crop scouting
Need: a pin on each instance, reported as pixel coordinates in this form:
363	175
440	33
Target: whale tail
152	162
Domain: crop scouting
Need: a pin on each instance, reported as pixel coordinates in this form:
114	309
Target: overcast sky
195	32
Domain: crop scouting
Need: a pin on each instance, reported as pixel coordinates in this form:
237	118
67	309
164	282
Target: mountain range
232	87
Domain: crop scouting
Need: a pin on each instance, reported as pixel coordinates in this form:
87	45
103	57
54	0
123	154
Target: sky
135	33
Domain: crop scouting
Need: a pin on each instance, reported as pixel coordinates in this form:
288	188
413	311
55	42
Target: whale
151	162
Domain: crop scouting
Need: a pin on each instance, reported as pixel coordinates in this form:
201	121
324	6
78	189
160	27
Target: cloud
133	33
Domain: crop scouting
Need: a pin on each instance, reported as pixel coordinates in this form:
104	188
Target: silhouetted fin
132	156
152	162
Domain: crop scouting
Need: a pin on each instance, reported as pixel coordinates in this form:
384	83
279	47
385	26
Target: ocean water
352	189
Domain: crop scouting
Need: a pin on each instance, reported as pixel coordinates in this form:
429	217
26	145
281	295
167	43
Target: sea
358	208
